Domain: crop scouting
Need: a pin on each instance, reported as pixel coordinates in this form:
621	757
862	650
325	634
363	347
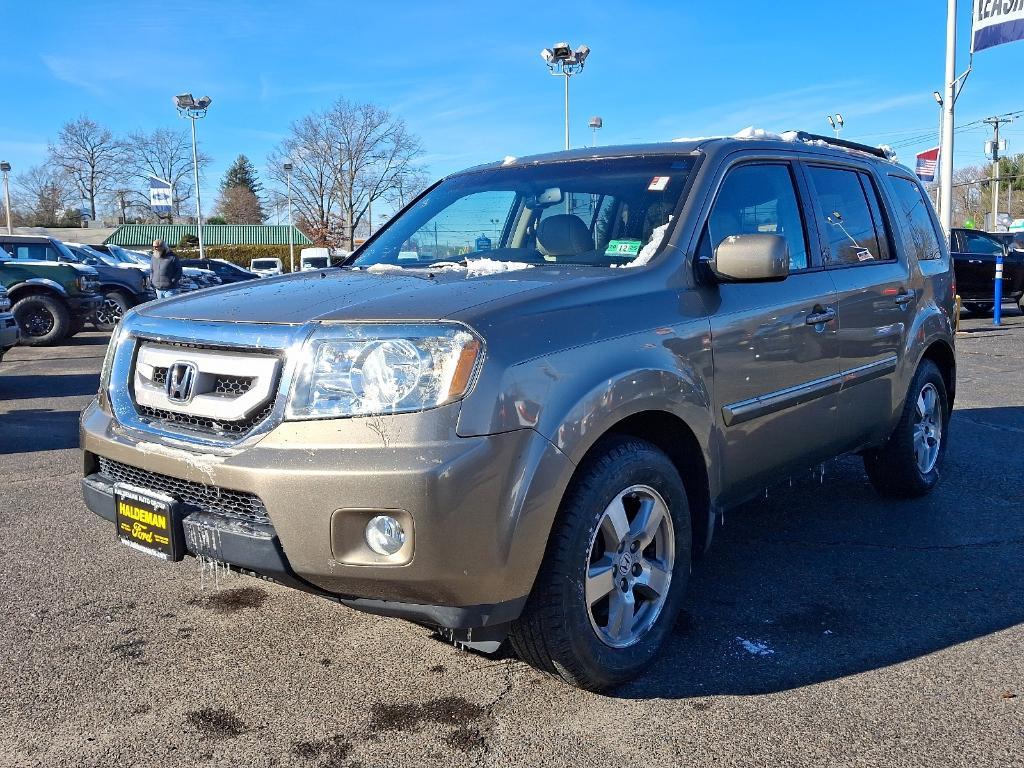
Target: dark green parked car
51	301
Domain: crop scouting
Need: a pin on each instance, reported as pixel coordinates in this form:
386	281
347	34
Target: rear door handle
904	298
820	315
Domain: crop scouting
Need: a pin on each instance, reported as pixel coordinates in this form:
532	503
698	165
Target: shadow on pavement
38	429
29	387
823	581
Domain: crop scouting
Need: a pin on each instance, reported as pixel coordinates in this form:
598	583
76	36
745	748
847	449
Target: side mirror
751	259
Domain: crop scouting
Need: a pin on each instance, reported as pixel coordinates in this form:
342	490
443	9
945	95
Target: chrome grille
206	498
233	386
203	424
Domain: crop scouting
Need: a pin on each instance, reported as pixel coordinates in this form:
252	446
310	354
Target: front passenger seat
563	235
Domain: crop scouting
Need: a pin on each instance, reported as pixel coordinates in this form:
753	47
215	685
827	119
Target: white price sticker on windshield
658	184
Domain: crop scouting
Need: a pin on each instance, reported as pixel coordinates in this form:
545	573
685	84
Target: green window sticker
623	248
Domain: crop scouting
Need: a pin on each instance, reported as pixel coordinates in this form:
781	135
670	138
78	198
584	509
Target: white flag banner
161	198
996	22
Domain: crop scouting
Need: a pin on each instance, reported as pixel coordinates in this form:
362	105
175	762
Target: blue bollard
997	317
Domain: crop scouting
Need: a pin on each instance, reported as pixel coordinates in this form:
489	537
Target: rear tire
599	613
44	320
909	464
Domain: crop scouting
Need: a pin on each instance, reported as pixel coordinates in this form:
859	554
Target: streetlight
291	245
194	109
563	61
5	167
836	122
595	124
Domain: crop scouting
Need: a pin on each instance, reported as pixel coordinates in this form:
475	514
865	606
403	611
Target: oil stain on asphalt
465	717
232	600
215	723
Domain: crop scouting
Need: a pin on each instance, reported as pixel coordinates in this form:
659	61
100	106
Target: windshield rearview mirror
550	196
751	258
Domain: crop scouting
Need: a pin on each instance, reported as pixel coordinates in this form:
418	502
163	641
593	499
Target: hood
342	294
34	263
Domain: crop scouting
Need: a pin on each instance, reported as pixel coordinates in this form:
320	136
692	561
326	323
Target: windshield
317	262
591	212
265	264
121	255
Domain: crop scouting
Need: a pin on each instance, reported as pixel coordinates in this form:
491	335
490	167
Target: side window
849	213
758	199
975	242
35	252
919	222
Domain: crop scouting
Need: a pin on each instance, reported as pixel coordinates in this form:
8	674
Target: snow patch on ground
755	647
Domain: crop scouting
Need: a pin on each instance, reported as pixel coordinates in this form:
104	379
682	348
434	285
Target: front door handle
902	299
820	315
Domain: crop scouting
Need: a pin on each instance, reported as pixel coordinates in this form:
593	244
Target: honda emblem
181	381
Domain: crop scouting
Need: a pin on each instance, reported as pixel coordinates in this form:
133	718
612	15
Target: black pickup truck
974	261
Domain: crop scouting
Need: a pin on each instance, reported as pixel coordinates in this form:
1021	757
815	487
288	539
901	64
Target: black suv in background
974	260
225	270
122	287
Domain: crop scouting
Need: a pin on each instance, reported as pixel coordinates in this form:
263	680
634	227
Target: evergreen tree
242	173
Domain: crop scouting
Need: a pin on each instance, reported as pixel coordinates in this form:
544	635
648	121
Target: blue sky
468	79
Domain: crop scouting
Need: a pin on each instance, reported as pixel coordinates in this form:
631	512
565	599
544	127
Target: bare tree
376	156
344	160
315	184
90	156
166	154
45	193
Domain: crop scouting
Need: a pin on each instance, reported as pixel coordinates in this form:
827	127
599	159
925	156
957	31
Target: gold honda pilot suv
518	410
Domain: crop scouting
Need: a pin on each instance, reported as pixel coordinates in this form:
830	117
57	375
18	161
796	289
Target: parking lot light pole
565	62
5	167
194	109
291	243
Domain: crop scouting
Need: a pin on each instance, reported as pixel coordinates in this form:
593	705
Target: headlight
108	364
358	370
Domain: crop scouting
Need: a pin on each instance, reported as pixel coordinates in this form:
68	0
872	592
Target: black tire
556	633
894	469
111	310
44	320
980	308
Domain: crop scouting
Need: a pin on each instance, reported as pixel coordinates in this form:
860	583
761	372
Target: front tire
110	311
44	320
980	309
909	463
615	571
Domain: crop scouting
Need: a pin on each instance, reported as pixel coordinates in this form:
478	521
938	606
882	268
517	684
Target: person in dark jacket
166	270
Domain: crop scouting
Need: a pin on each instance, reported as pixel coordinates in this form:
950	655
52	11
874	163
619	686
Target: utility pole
995	122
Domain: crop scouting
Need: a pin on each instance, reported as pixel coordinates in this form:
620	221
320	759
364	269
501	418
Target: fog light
384	535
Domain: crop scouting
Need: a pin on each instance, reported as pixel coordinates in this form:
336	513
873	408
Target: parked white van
266	267
314	258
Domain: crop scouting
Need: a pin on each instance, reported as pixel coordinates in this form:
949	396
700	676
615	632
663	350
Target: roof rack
876	151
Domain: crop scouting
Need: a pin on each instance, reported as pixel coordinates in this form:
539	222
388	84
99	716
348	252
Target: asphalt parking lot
825	627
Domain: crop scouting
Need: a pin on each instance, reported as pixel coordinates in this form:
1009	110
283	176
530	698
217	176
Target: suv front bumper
85	305
481	508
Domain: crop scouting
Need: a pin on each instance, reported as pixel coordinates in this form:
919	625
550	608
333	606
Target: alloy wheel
927	428
109	312
630	564
38	322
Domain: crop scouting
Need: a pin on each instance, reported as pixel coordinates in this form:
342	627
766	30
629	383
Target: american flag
927	164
